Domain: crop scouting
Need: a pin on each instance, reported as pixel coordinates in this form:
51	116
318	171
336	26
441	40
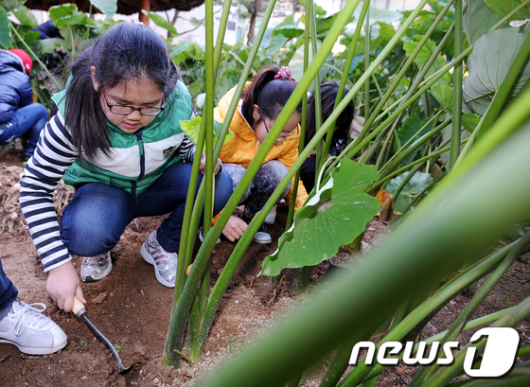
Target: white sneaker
165	263
262	236
271	216
201	238
96	268
32	332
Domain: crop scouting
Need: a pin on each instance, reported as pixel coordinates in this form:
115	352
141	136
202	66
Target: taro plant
417	117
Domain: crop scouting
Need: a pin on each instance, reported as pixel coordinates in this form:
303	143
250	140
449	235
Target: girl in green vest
117	139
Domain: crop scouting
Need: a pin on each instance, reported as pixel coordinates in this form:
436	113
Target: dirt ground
132	309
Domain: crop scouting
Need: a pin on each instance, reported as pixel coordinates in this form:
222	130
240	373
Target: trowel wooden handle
78	308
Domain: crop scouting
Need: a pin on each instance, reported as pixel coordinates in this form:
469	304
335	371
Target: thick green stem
397	79
409	166
302	134
367	64
318	101
170	357
299	282
444	295
227	4
510	14
477	300
246	239
457	86
402	156
346	72
444	375
352	148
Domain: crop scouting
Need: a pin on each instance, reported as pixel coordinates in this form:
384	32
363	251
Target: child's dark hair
127	51
269	94
328	95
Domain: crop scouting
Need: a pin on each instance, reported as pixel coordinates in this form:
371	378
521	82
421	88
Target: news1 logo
497	360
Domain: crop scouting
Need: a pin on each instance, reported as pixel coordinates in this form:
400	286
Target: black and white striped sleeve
187	149
53	155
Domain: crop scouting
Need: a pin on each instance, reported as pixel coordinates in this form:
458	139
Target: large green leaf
276	43
443	94
5	31
478	20
48	45
414	186
25	17
161	22
108	7
179	48
493	55
319	11
504	7
379	15
335	216
67	15
191	129
410	128
425	54
324	24
289	31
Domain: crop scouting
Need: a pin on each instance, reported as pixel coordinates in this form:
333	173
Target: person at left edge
117	139
19	115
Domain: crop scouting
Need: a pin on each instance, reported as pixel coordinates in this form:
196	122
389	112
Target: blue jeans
8	293
95	219
29	120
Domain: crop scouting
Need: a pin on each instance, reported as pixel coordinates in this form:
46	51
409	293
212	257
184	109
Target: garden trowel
80	310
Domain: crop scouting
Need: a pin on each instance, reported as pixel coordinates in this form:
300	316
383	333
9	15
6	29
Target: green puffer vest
136	160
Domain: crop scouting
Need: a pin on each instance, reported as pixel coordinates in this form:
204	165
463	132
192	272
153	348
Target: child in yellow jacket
262	101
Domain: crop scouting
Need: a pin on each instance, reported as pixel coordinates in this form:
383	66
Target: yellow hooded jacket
243	146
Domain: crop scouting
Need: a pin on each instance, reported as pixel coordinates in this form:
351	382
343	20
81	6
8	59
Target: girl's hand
235	227
203	164
63	284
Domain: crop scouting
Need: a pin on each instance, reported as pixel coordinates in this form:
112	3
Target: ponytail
270	89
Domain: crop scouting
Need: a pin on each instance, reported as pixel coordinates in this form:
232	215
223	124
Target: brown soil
132	309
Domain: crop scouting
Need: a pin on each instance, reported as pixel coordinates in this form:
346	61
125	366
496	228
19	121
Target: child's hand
203	164
63	284
235	227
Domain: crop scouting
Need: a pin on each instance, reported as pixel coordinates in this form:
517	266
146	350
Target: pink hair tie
284	73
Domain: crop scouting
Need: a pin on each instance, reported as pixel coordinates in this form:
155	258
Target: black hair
127	51
269	94
328	95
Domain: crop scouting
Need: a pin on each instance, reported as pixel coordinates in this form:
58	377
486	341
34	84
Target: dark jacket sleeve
25	91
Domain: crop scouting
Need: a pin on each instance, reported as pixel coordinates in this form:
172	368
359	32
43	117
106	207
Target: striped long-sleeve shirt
54	154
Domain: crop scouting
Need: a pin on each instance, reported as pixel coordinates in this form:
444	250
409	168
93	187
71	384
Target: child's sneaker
96	268
165	263
201	238
271	216
262	236
32	332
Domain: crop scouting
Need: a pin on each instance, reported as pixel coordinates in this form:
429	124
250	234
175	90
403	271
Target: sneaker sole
147	258
263	242
89	279
36	351
269	221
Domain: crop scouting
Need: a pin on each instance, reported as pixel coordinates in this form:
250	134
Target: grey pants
262	186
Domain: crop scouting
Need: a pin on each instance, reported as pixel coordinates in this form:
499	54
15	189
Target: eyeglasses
144	111
283	134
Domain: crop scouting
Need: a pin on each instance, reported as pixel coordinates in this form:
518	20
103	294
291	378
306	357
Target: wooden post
145	5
